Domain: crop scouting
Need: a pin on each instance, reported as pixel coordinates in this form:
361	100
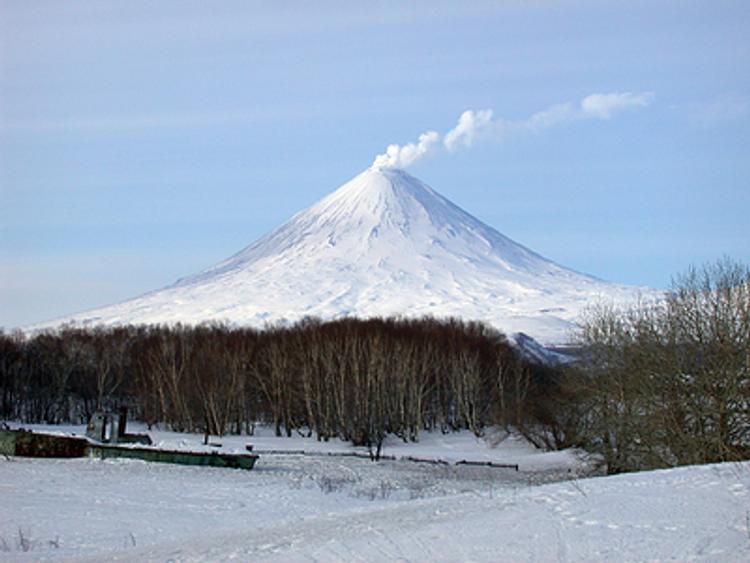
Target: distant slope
384	243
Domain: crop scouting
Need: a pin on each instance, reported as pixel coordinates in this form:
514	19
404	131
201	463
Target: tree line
358	380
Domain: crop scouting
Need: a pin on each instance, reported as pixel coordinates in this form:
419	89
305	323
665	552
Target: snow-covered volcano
382	244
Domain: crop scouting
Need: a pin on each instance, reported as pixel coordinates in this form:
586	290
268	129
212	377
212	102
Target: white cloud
474	125
603	106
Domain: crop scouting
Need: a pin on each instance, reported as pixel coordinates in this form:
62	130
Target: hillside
382	244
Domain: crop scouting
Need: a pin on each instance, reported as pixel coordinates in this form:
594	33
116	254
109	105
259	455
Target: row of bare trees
355	379
63	376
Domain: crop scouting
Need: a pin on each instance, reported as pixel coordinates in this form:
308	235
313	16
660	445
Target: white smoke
471	125
553	115
397	156
479	124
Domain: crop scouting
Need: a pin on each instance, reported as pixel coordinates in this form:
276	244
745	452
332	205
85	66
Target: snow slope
382	244
293	508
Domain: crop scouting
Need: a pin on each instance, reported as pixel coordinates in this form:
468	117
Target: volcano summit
382	244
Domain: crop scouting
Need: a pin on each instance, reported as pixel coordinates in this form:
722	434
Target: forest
658	384
357	380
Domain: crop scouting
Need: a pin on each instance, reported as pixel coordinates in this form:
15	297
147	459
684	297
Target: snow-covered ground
331	508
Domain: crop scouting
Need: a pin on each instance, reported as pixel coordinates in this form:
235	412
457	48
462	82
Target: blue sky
144	141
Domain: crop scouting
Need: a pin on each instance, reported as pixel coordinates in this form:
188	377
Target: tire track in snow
379	529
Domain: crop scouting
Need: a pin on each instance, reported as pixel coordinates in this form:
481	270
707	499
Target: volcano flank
382	244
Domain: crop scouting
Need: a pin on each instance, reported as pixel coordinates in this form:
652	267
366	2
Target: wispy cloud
476	125
165	120
125	122
603	106
726	108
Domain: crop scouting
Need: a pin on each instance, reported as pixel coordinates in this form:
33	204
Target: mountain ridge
382	244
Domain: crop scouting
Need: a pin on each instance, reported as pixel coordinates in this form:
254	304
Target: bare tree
669	383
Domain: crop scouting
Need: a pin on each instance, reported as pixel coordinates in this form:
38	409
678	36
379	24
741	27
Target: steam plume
474	125
471	124
397	156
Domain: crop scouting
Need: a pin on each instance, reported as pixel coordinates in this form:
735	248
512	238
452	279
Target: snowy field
334	508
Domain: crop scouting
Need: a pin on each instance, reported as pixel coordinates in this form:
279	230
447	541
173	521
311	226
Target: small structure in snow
101	428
